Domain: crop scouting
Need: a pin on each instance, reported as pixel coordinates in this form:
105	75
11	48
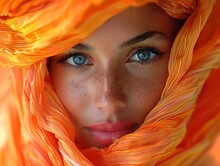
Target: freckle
140	94
77	90
96	79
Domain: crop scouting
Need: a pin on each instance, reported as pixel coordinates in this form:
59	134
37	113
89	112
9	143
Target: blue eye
144	54
77	60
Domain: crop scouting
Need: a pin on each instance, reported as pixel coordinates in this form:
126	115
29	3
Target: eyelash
70	54
153	50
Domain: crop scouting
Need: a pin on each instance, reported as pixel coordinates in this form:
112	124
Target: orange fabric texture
35	128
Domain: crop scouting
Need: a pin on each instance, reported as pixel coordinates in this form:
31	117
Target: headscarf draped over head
36	129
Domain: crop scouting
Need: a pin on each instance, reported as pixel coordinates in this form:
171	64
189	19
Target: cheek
151	88
147	90
72	93
148	93
77	90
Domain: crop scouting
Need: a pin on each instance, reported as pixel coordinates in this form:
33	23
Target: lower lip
106	138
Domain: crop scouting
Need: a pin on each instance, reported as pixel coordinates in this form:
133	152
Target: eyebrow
129	42
144	36
83	47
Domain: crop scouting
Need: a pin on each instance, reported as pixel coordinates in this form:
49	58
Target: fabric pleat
35	127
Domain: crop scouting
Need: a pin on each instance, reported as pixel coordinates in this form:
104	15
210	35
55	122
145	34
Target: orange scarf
35	128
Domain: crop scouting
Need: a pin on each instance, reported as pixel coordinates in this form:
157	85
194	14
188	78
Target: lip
106	133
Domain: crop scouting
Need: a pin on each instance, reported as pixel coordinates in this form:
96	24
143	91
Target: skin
115	85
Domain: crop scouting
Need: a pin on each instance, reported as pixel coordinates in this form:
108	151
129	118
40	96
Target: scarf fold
178	131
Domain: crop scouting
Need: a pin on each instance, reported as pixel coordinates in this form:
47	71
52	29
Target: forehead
134	21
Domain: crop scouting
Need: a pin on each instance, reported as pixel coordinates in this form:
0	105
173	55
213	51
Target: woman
116	90
114	78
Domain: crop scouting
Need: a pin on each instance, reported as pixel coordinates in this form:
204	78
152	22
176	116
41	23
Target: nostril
111	103
111	108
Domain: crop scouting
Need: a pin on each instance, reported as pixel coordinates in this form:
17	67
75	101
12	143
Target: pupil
143	55
79	60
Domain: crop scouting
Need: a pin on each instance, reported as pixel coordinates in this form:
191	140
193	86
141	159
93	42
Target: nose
110	96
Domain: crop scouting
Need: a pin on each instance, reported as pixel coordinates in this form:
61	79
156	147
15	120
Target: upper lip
109	127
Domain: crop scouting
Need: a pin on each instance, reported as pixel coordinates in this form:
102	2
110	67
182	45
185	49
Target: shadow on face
114	78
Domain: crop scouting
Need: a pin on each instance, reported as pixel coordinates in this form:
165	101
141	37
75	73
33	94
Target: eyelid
133	51
70	53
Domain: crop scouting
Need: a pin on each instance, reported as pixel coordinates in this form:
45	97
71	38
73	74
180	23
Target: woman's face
114	78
